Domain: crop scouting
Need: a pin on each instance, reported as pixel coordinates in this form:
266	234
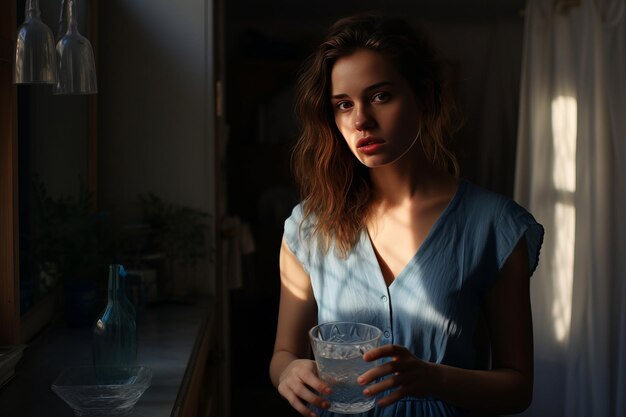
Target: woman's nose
362	119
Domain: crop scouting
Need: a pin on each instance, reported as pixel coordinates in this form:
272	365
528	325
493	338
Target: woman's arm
507	387
291	370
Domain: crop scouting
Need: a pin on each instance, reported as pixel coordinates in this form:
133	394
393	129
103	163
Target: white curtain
571	174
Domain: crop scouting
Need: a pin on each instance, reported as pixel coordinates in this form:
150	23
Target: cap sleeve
296	234
515	222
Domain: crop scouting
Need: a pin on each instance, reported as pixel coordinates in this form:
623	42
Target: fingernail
327	390
367	392
325	404
360	380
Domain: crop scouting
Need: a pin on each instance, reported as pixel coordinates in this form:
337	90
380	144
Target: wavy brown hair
335	187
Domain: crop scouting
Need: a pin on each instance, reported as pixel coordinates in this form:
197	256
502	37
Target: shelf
9	358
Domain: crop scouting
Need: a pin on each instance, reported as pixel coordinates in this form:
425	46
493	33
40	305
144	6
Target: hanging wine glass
62	22
77	67
35	58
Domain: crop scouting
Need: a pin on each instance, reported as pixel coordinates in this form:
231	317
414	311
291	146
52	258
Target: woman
387	233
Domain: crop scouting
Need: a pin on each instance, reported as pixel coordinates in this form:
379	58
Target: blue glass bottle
115	333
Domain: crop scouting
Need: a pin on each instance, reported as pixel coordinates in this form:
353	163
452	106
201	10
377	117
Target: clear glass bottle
115	333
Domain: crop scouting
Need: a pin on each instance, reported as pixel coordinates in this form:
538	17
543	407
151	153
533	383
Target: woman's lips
369	145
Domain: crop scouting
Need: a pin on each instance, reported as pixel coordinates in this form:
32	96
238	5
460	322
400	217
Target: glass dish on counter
79	388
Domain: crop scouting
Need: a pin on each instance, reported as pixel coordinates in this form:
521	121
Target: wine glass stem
32	9
62	19
71	15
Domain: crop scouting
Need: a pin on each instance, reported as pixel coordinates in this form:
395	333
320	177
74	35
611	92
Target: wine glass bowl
77	71
35	60
77	67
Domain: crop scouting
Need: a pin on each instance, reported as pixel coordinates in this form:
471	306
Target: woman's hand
296	382
408	374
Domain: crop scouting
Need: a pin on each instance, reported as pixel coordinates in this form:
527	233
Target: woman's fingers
381	386
393	396
298	386
315	383
377	372
295	401
384	352
310	397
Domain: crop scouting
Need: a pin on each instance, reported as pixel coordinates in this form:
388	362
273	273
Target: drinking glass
35	57
77	66
338	348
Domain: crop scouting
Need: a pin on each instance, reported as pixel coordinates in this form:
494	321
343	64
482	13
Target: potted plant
180	233
69	246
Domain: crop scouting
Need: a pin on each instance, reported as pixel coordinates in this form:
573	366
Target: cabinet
200	391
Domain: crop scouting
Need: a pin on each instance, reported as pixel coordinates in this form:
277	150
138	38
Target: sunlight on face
375	108
564	180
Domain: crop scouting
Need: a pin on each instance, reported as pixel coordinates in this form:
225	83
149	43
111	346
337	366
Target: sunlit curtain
571	174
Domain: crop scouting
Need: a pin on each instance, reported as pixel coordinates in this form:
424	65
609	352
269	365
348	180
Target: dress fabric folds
433	305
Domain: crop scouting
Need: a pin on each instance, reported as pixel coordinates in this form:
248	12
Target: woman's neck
408	180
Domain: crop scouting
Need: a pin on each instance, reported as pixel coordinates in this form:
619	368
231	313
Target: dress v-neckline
433	229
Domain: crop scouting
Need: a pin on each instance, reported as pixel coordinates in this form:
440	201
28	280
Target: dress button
387	334
384	298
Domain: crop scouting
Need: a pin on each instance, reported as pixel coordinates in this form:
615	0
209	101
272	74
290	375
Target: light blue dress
433	305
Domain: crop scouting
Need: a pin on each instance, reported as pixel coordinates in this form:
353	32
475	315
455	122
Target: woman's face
374	106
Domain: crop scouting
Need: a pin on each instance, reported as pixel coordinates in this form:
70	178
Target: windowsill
167	334
41	314
9	358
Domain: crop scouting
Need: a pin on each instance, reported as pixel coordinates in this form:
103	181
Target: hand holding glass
338	348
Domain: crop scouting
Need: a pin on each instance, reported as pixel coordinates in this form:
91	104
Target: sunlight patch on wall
563	269
564	179
564	140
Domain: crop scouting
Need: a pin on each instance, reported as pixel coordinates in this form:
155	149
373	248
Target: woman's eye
380	97
342	105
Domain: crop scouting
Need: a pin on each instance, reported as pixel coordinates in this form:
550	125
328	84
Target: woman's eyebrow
367	89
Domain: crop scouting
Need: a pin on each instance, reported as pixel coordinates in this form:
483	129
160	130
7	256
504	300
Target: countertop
167	333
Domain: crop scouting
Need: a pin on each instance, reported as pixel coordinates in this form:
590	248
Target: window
564	120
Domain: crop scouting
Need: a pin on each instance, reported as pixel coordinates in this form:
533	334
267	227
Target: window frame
9	220
14	328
